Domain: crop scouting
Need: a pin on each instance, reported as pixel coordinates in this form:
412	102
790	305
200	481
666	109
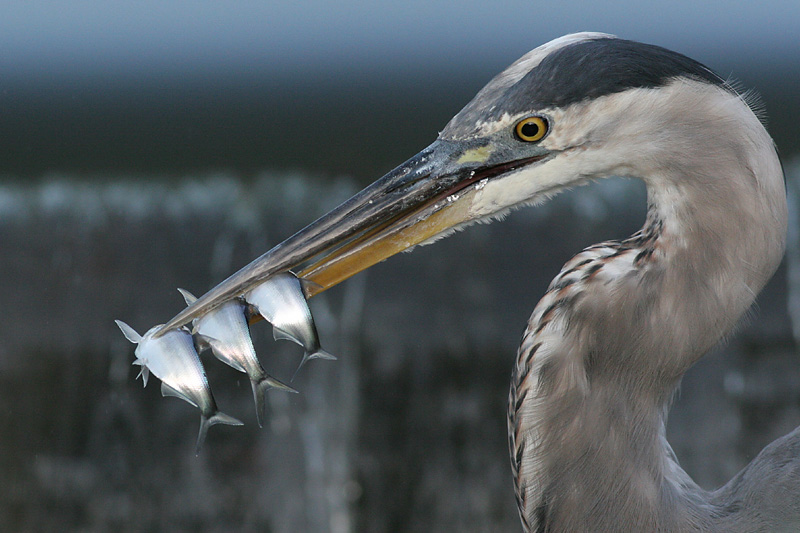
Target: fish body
225	331
173	359
280	300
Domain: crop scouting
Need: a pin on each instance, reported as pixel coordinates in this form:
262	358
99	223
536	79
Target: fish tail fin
322	354
260	388
318	354
206	422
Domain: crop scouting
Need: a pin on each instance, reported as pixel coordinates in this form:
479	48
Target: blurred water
406	431
793	246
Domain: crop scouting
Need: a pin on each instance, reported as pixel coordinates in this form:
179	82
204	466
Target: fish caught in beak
451	183
280	301
225	332
172	359
439	189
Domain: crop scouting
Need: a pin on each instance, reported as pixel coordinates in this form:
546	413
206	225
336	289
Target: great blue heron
623	321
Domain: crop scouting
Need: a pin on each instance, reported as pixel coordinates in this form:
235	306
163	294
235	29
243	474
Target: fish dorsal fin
129	332
166	390
309	286
218	349
251	313
188	297
280	335
201	341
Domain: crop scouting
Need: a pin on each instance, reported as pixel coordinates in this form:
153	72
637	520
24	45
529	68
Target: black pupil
529	129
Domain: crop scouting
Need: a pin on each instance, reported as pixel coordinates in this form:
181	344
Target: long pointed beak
425	196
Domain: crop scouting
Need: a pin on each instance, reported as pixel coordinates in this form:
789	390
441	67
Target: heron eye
531	129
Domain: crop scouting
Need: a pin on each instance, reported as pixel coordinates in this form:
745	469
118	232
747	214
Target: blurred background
152	145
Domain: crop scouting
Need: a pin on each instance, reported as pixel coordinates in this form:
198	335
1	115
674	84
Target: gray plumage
607	346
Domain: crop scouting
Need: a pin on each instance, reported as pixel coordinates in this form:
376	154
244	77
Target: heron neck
618	328
585	442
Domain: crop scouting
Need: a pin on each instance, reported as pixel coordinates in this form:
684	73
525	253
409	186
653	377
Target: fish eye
531	129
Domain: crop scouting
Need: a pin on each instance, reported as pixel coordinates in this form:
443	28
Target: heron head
574	109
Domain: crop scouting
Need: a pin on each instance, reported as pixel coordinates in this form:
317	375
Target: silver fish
280	300
226	332
173	359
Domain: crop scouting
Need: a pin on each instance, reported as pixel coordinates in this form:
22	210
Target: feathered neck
619	326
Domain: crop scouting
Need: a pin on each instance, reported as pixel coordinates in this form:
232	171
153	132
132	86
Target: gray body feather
606	347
